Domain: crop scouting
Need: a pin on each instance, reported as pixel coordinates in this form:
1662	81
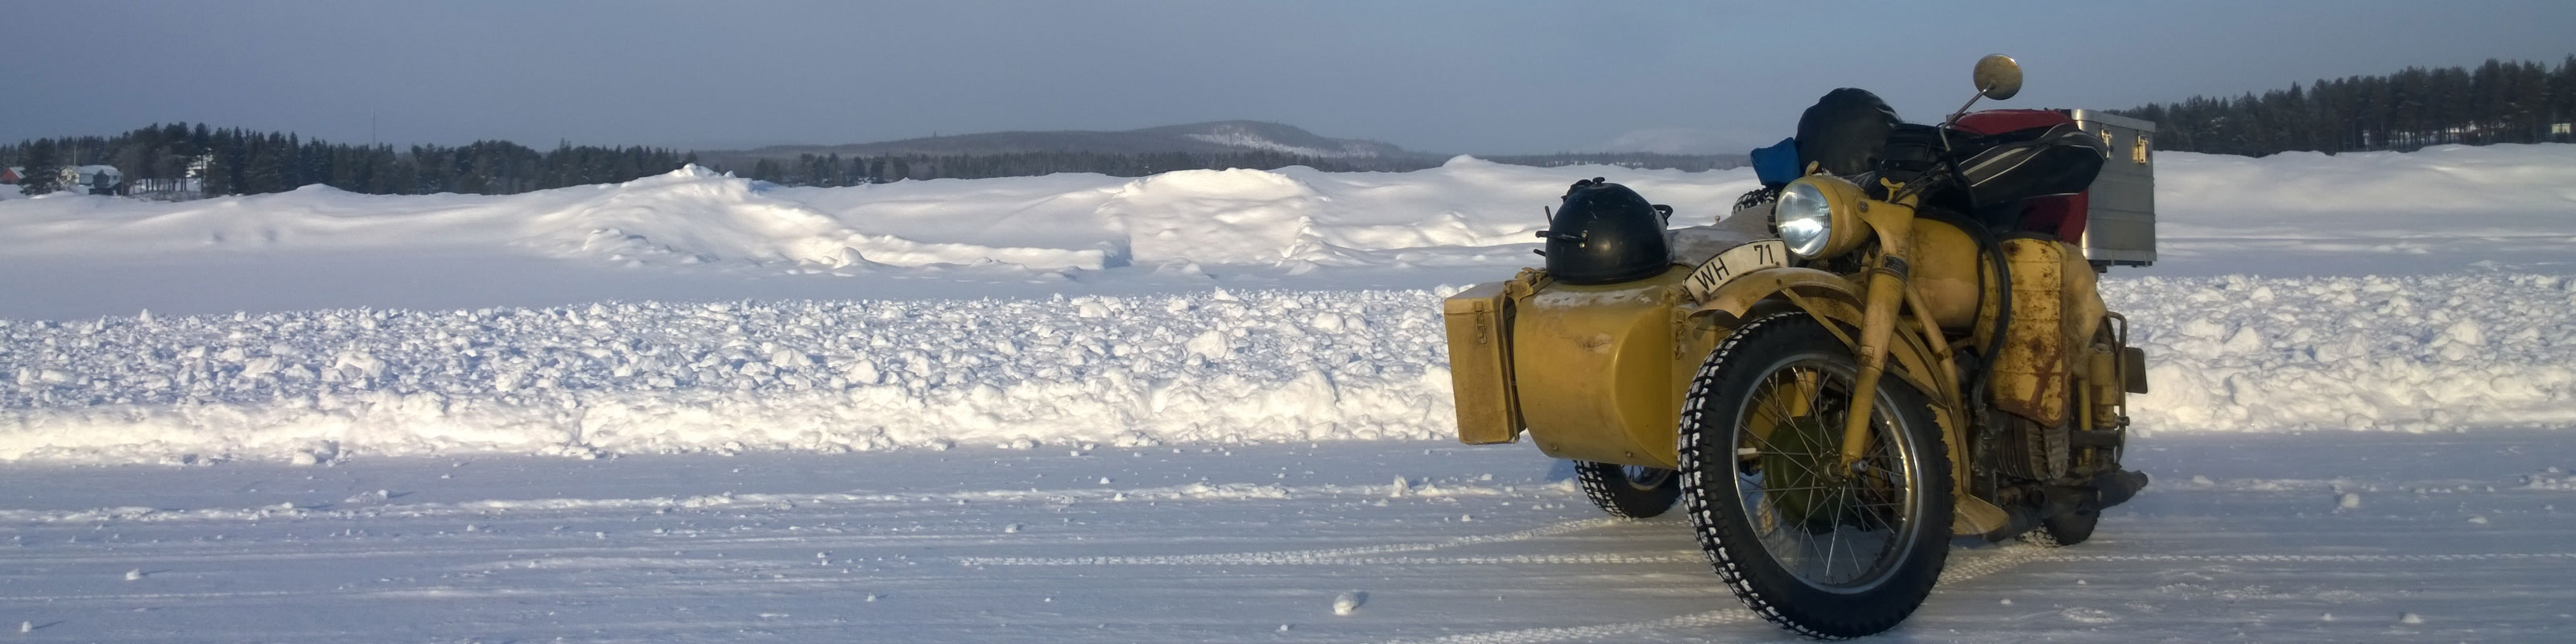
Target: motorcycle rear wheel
1817	549
1628	491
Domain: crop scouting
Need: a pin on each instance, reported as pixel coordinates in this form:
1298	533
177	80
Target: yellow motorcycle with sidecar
1849	369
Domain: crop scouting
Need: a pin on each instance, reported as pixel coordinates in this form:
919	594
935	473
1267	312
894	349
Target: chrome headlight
1805	220
1816	218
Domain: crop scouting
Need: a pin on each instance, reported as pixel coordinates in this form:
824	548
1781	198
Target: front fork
1894	224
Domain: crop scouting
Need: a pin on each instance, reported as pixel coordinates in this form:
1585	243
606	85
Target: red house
9	176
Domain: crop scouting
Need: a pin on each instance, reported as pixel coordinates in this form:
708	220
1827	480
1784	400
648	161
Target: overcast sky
1488	76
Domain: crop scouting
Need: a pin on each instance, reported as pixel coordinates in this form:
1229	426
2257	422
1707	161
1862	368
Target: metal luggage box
1480	363
2120	222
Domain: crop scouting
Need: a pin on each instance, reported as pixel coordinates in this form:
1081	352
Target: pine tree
40	173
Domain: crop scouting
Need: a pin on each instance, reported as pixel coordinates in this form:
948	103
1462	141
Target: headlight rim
1794	203
1843	229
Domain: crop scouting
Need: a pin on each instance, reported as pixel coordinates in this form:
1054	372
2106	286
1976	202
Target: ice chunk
1349	602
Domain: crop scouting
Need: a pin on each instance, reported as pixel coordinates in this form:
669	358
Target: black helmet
1606	234
1844	131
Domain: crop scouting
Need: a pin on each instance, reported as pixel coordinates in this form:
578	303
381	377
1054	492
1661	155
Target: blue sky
1481	77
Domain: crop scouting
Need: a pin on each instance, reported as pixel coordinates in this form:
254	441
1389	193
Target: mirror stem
1963	109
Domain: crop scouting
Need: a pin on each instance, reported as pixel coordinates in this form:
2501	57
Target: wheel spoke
1833	544
1799	489
1802	464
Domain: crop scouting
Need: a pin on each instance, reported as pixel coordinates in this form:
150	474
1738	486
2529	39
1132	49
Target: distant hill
1214	138
1219	144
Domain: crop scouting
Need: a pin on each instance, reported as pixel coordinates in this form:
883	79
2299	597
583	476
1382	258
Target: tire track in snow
1676	557
161	596
1292	557
1959	572
731	501
1955	572
683	586
2269	558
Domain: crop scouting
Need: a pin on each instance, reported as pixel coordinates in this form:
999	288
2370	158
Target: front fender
1726	306
1833	301
1837	303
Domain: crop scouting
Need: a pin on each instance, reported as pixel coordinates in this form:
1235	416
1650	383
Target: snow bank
2440	209
686	378
694	216
2227	354
2508	189
2413	353
2437	209
690	216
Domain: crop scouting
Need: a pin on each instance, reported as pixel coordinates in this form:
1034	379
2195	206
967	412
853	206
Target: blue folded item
1777	165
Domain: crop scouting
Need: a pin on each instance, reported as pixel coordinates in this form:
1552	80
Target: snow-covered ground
2243	538
694	407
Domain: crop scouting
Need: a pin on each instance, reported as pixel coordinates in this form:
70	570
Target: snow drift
693	216
618	377
2453	205
2227	354
2483	341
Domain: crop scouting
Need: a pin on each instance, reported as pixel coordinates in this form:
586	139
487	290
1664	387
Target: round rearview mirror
1998	77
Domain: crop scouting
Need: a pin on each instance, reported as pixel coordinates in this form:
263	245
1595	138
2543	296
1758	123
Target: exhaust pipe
2108	489
2018	520
2116	487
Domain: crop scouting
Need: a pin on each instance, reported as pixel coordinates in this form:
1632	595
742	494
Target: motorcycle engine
1605	233
2023	449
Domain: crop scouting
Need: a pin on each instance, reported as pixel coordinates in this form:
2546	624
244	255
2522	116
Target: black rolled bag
2036	162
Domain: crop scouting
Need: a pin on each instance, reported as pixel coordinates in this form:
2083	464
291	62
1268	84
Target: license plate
1768	253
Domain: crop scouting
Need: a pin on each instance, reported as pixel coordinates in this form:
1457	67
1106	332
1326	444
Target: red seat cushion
2061	216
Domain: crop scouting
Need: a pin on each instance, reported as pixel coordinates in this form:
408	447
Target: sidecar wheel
1628	491
1816	548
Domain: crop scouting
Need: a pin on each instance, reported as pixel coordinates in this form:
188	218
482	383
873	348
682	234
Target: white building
92	179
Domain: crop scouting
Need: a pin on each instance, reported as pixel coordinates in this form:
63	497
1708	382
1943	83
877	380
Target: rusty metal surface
2031	366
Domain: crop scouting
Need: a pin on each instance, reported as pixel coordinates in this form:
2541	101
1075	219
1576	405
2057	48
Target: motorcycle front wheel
1821	549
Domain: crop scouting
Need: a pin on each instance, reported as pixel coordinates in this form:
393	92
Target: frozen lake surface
2240	538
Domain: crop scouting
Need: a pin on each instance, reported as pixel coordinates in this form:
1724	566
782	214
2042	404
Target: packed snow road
2243	537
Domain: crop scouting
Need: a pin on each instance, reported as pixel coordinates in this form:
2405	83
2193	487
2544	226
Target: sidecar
1595	369
1594	372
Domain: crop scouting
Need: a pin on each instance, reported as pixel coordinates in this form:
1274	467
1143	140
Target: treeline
237	161
836	170
1633	160
214	162
2499	102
